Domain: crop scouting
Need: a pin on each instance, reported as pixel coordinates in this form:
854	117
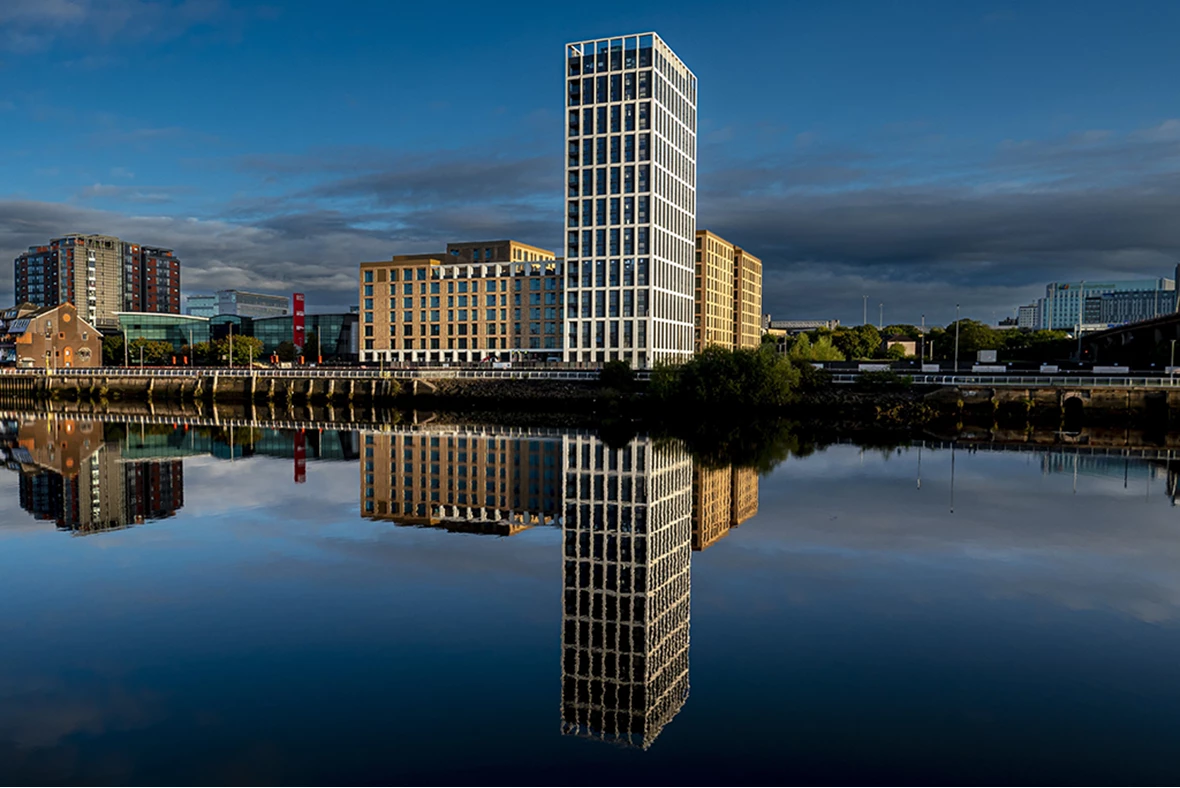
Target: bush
883	381
743	379
617	375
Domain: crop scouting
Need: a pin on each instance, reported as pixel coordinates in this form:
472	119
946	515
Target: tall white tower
630	201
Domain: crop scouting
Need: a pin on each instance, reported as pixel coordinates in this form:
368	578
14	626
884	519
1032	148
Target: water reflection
87	476
626	542
845	589
628	529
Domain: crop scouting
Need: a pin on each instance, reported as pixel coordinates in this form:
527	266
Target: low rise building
176	330
48	337
800	326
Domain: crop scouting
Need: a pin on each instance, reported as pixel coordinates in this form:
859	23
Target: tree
859	342
311	346
896	352
112	350
286	351
617	375
150	351
246	349
901	329
822	349
734	380
974	336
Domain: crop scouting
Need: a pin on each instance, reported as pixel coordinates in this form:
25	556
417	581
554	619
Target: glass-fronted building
630	194
1067	303
178	330
334	335
244	304
201	305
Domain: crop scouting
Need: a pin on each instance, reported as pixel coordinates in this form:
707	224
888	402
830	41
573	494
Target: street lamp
956	339
922	356
1172	365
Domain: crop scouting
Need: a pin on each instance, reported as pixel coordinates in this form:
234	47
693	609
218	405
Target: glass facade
336	334
630	201
178	330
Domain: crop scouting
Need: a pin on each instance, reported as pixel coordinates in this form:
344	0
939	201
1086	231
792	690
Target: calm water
191	606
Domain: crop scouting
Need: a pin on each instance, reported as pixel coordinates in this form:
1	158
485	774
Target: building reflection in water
71	475
722	498
630	516
467	479
627	541
88	477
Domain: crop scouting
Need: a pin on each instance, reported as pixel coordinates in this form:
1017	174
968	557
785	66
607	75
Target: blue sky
921	153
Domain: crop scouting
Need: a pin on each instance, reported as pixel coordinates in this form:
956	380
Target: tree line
867	342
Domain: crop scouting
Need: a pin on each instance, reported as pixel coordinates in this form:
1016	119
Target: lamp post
231	345
956	339
1172	364
922	355
1081	318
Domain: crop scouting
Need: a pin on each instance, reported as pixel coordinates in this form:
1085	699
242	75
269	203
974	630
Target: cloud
913	220
33	25
146	195
277	256
987	232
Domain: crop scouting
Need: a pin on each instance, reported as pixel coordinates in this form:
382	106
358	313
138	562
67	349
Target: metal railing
329	373
1024	381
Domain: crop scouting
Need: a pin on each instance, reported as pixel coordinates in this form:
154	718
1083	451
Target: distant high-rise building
245	304
1026	316
1063	307
201	305
631	201
101	275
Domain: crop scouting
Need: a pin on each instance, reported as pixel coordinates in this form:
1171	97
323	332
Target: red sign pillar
297	320
300	457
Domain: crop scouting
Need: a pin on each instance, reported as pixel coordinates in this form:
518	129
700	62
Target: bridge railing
331	373
1035	381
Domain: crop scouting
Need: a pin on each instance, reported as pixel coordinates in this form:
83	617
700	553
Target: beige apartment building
712	510
747	303
462	479
714	300
728	302
477	301
722	498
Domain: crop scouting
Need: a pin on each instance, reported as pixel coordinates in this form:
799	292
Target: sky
922	154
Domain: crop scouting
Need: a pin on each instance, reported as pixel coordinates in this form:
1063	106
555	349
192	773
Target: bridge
1138	344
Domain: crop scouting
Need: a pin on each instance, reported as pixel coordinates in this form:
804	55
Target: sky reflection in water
852	630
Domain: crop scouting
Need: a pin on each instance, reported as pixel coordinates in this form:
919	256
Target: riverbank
888	401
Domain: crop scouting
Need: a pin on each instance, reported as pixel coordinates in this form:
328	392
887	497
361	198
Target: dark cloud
917	223
986	233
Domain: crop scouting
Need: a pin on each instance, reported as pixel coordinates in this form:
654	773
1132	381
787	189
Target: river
470	603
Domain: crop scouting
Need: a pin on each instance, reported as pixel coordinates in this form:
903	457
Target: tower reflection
627	543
